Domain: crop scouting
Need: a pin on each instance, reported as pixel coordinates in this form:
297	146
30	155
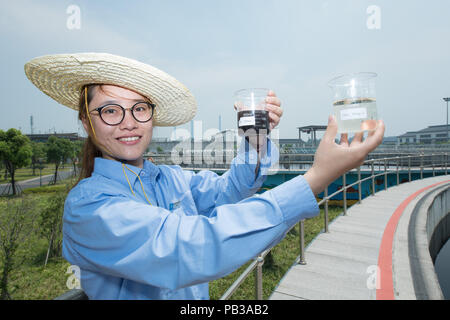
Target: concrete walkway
6	188
342	264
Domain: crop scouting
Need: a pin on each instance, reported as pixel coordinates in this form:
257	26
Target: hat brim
62	77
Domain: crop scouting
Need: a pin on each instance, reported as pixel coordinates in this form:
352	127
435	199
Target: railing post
446	159
385	174
344	194
421	166
302	242
373	180
398	174
359	185
432	163
326	209
258	278
409	168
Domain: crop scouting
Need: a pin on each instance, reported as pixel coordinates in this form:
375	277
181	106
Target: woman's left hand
274	107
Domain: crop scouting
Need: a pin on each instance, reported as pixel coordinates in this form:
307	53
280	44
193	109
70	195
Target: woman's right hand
332	160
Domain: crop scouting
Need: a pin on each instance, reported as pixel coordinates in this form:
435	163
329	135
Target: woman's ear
85	123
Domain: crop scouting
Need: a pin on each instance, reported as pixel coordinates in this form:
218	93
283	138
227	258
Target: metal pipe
238	281
447	100
409	168
432	163
373	181
345	193
258	278
421	166
302	243
385	174
326	209
359	184
398	174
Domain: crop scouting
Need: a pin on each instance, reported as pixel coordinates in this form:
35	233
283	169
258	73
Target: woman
141	231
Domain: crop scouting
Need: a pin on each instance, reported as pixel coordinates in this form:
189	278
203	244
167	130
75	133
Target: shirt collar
113	169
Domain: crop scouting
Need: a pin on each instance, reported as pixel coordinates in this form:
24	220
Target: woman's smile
129	140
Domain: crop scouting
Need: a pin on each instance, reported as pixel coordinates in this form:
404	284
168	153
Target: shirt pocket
183	204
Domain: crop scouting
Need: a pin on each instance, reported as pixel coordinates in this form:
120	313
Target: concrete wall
427	232
438	222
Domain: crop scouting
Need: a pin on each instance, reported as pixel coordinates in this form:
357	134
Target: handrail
259	261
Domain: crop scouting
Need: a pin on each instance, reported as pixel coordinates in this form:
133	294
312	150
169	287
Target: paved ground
35	182
342	264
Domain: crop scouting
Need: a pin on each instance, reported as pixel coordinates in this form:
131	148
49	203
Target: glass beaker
252	115
354	102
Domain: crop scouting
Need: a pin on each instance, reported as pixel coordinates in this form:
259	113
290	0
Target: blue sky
217	47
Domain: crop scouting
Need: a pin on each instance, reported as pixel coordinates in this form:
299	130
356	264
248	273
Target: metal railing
392	165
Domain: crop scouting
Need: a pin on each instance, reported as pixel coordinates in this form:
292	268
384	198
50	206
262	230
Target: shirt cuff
296	200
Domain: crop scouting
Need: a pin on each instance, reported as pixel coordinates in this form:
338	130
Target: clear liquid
355	115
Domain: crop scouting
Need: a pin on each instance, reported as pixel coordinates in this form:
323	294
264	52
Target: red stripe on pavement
386	288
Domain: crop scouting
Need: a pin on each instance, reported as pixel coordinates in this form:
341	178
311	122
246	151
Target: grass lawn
33	281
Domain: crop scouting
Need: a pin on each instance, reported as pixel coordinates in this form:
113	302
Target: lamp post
447	100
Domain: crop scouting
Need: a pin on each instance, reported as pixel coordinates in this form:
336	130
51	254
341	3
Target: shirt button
142	173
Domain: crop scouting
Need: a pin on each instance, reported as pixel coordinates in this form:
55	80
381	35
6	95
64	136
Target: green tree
58	151
15	152
38	149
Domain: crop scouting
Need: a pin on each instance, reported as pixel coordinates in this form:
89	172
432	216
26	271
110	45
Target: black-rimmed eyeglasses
113	114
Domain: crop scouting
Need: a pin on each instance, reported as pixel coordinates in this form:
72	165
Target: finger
371	133
357	139
271	93
374	138
274	119
331	131
273	100
274	109
344	140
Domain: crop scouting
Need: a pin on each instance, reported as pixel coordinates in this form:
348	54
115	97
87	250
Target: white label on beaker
354	113
247	121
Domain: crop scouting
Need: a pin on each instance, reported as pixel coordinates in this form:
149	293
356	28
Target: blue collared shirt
199	226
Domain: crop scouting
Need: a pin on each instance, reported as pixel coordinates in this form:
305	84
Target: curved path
35	182
354	260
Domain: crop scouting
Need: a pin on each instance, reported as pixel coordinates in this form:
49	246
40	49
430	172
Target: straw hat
62	76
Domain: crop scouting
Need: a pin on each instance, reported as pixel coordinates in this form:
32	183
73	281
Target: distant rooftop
429	129
390	139
42	137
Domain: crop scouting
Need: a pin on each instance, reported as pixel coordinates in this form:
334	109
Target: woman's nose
128	121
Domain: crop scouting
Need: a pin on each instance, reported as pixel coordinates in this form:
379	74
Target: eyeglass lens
114	114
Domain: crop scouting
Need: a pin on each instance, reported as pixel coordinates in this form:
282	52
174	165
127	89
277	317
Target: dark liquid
261	120
353	101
